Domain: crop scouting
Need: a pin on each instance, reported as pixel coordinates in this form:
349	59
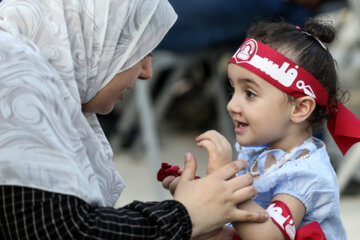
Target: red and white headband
292	79
279	71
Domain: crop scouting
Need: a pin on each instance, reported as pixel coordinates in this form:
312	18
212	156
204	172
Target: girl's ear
303	107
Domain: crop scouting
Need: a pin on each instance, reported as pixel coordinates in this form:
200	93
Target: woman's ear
303	107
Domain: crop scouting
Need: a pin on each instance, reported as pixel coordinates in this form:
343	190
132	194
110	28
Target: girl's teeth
242	125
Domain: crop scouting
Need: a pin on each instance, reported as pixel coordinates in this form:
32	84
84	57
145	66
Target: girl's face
261	112
105	99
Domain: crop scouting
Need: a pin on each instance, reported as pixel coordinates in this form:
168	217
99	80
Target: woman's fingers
166	182
173	185
229	170
170	183
218	193
245	193
189	171
239	182
249	216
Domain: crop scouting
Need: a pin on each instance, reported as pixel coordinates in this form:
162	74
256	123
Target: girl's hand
219	149
212	201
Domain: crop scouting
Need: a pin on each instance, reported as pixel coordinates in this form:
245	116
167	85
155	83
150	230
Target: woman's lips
122	96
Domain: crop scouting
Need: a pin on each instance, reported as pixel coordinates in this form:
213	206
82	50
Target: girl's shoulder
311	159
308	176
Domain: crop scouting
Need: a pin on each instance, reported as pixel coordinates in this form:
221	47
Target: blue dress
311	180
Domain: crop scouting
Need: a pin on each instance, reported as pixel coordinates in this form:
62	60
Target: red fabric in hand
168	170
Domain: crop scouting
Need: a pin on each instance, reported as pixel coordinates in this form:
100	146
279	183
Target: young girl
284	83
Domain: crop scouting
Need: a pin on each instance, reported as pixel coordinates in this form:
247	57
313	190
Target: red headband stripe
292	79
280	71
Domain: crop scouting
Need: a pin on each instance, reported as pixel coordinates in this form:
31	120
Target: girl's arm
268	230
220	154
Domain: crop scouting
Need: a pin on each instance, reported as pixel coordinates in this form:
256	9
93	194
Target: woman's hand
212	201
219	149
223	233
220	154
170	183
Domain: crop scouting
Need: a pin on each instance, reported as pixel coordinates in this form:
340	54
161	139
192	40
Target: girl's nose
230	106
233	106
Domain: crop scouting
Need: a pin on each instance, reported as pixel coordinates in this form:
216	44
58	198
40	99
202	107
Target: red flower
167	170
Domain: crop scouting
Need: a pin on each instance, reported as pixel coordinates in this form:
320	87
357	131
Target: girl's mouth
241	125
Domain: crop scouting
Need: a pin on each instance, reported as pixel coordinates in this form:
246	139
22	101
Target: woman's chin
105	110
101	110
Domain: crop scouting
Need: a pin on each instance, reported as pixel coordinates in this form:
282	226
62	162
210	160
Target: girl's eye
250	94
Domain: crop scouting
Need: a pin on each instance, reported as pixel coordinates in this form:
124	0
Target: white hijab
54	56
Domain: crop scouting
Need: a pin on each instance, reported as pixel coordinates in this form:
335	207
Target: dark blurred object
311	4
352	188
195	110
210	23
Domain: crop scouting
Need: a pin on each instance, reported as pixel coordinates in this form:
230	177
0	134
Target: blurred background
187	94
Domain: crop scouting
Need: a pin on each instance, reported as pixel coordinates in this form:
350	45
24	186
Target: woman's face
105	99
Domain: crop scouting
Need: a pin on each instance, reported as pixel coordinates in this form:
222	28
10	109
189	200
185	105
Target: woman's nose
146	69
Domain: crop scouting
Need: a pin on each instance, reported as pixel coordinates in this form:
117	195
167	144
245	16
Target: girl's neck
291	141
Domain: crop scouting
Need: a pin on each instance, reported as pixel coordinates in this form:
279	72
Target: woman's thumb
189	168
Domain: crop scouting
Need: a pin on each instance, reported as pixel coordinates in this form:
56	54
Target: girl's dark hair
306	51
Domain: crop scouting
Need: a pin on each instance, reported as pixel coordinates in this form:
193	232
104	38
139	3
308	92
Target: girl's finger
207	144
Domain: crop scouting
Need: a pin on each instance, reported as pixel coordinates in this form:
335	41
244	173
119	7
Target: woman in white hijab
62	61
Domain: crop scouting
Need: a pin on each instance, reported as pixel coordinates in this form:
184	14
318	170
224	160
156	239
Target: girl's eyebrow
252	82
247	80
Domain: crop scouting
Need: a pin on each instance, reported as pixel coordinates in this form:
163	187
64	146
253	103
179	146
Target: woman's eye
250	94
